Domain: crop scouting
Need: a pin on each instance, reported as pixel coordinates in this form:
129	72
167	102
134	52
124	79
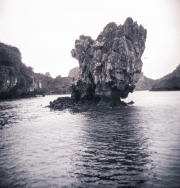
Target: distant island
170	82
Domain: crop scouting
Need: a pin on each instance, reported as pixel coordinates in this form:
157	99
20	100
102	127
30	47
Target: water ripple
137	146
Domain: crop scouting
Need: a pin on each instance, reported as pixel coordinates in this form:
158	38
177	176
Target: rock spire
109	65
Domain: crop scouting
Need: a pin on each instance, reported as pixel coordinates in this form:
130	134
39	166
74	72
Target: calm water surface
136	146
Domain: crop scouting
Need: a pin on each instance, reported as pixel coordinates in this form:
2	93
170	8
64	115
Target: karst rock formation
109	65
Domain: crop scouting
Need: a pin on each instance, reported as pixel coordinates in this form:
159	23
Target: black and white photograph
89	93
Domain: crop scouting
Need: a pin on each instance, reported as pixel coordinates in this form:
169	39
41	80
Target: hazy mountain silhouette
170	82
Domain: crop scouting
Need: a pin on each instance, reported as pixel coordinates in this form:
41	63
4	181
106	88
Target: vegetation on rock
58	85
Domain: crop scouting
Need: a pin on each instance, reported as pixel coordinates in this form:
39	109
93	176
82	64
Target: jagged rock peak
109	65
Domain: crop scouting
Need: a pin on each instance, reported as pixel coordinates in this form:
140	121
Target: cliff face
169	82
111	64
18	80
15	78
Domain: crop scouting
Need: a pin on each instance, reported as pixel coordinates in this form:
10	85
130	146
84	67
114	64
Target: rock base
63	103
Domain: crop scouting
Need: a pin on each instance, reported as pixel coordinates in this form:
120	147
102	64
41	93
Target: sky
45	30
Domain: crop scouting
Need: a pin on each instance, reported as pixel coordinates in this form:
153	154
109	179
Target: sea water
133	146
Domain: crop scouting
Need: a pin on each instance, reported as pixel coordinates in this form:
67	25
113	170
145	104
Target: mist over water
135	146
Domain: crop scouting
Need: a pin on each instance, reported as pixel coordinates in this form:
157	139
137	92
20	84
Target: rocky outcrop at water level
109	65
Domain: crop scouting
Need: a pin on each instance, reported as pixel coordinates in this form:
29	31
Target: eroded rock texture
109	65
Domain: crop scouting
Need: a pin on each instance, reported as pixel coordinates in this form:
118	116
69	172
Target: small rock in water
131	102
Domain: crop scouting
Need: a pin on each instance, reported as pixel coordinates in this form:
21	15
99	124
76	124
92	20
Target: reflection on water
114	149
136	146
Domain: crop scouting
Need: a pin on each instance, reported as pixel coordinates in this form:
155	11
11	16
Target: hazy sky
45	30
